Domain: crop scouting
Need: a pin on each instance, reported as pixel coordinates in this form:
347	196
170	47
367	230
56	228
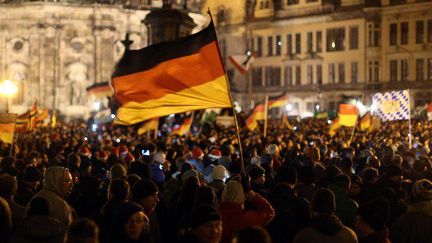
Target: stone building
324	52
53	50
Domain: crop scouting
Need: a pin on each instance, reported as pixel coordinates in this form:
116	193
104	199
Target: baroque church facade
53	50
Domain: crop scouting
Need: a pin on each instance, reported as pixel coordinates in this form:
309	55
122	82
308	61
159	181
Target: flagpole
409	132
265	115
13	136
230	96
191	122
156	131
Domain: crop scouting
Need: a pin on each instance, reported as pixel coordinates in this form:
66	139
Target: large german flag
170	77
7	127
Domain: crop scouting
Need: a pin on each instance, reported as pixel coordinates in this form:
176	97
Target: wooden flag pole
13	138
409	123
265	115
156	133
191	123
231	99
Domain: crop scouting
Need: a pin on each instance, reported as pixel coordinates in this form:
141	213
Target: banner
392	106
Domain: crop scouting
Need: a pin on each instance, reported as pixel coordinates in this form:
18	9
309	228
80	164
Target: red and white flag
242	62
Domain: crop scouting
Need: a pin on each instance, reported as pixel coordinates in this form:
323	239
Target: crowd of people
69	184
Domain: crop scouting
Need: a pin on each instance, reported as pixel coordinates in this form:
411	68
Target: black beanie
143	189
125	210
375	213
32	174
393	170
324	201
255	171
204	213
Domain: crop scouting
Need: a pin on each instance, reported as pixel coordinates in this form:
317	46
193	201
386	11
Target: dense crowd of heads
299	184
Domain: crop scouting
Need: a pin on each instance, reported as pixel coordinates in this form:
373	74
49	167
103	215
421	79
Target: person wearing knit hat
422	190
130	224
27	187
415	224
123	151
218	178
215	154
145	193
325	226
197	153
272	149
197	159
102	155
129	158
371	221
206	225
85	151
190	173
258	178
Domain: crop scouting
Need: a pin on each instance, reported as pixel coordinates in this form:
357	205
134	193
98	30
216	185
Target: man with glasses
57	186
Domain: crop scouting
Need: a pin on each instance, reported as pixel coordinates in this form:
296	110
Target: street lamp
8	89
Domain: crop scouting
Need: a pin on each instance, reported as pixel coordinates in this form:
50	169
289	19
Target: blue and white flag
391	106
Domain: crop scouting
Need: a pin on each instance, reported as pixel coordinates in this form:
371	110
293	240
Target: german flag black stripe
135	61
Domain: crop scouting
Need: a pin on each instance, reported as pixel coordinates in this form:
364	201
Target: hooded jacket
52	191
234	217
35	229
413	226
326	228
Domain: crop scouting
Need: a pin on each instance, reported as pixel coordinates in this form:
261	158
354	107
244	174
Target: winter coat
345	206
326	228
413	226
379	236
24	193
290	220
38	228
235	218
306	191
53	186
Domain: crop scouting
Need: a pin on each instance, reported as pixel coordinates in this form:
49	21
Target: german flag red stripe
170	76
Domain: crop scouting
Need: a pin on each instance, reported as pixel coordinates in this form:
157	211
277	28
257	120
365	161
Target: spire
127	42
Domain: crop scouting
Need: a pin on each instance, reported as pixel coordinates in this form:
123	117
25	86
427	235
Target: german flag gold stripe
213	94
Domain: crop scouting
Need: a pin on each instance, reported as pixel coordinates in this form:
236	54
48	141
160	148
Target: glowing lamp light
288	107
96	105
8	88
279	43
361	107
317	107
333	44
329	122
248	53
